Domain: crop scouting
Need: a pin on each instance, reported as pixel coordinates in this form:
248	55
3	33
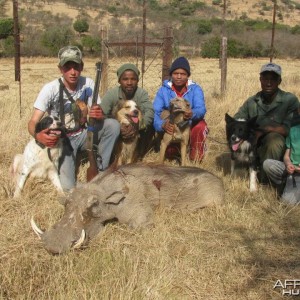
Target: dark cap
180	63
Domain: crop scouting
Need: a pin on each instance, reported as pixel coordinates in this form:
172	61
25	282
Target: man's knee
272	146
112	126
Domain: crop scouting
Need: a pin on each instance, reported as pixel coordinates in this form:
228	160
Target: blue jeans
105	136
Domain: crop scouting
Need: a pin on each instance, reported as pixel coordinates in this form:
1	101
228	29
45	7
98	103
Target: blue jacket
165	94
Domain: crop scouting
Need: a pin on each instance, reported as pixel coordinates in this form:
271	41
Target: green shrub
235	48
216	2
211	48
111	9
8	46
56	38
153	4
204	27
81	26
93	44
295	29
6	28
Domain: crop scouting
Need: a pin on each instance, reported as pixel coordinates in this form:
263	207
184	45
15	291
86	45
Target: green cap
126	67
69	53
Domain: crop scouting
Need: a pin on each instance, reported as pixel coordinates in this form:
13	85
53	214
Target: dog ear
43	124
228	119
116	108
252	122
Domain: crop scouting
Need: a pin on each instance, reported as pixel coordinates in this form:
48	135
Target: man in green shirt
128	78
274	109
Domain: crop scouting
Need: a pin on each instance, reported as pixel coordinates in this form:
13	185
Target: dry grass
237	251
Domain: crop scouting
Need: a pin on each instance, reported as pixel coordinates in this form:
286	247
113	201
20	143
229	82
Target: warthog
129	195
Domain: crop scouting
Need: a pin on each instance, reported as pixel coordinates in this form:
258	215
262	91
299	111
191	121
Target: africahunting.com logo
289	287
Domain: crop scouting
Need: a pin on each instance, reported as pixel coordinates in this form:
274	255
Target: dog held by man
128	89
181	134
179	84
127	112
37	159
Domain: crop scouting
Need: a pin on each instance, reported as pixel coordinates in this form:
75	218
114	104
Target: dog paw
253	189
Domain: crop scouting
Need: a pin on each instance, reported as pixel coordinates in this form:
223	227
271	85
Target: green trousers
270	146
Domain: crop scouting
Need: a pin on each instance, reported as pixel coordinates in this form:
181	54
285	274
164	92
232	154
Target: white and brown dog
127	112
38	160
178	106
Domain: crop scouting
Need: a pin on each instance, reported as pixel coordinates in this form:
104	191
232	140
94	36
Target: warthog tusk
79	242
35	228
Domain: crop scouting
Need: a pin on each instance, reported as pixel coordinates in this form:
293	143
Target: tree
81	26
56	38
91	43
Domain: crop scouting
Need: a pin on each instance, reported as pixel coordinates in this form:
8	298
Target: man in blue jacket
180	85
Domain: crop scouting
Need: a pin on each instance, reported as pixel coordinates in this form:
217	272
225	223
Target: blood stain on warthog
157	183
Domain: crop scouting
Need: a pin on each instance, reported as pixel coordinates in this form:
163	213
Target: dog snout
135	112
233	137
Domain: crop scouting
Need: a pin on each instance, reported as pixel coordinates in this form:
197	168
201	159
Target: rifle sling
63	89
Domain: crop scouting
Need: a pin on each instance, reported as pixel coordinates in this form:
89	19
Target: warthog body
129	195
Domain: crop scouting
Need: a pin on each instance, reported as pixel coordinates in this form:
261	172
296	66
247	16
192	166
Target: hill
288	12
194	23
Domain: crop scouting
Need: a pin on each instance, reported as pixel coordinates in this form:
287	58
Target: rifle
92	170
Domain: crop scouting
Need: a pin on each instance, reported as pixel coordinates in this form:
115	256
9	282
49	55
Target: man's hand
96	112
290	168
127	131
44	137
168	127
188	114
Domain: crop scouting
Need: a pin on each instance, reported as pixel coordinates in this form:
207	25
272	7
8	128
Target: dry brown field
237	251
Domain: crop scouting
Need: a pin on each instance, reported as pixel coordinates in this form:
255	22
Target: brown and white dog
181	134
127	112
38	160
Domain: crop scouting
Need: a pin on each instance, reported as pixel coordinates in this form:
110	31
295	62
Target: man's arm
37	115
281	129
158	106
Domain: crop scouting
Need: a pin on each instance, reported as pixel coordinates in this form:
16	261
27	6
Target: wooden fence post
223	65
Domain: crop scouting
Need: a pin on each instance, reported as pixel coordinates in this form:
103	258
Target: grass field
237	251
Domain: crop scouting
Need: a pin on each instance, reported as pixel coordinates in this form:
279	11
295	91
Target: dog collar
40	144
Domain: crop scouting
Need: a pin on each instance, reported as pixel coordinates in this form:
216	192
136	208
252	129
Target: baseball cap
271	67
69	53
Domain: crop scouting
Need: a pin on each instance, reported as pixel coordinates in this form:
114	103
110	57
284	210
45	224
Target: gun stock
92	170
